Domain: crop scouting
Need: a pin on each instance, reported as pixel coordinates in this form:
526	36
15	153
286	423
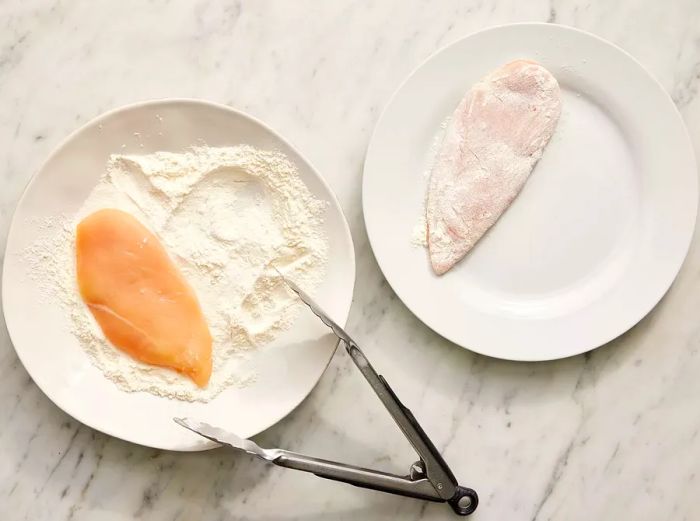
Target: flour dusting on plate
228	217
419	233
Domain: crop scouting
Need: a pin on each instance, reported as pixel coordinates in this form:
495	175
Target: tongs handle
443	481
372	479
357	476
435	465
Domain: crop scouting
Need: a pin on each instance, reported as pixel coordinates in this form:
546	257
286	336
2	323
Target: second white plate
595	238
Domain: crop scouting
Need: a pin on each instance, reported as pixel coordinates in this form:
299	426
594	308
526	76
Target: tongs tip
185	422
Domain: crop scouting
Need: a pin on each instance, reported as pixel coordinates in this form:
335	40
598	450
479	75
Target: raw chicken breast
495	137
138	297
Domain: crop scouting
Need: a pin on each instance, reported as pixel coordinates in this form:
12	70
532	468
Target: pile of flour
228	217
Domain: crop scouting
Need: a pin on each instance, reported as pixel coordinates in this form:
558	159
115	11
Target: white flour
419	234
226	216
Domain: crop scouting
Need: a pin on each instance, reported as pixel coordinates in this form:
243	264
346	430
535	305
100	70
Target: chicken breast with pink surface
495	136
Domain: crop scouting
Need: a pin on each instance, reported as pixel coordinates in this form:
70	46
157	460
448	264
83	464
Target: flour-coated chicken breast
493	140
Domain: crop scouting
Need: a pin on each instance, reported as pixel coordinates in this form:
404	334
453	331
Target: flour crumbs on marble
228	217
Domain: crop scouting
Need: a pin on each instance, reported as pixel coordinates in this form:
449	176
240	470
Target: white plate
286	370
598	233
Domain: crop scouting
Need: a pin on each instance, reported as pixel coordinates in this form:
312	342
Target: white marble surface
609	435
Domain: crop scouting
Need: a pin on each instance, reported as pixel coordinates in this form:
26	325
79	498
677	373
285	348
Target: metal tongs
429	478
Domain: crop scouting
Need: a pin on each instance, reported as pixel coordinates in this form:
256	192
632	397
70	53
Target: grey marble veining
609	435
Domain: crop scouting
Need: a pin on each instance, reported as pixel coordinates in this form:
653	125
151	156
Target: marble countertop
609	435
